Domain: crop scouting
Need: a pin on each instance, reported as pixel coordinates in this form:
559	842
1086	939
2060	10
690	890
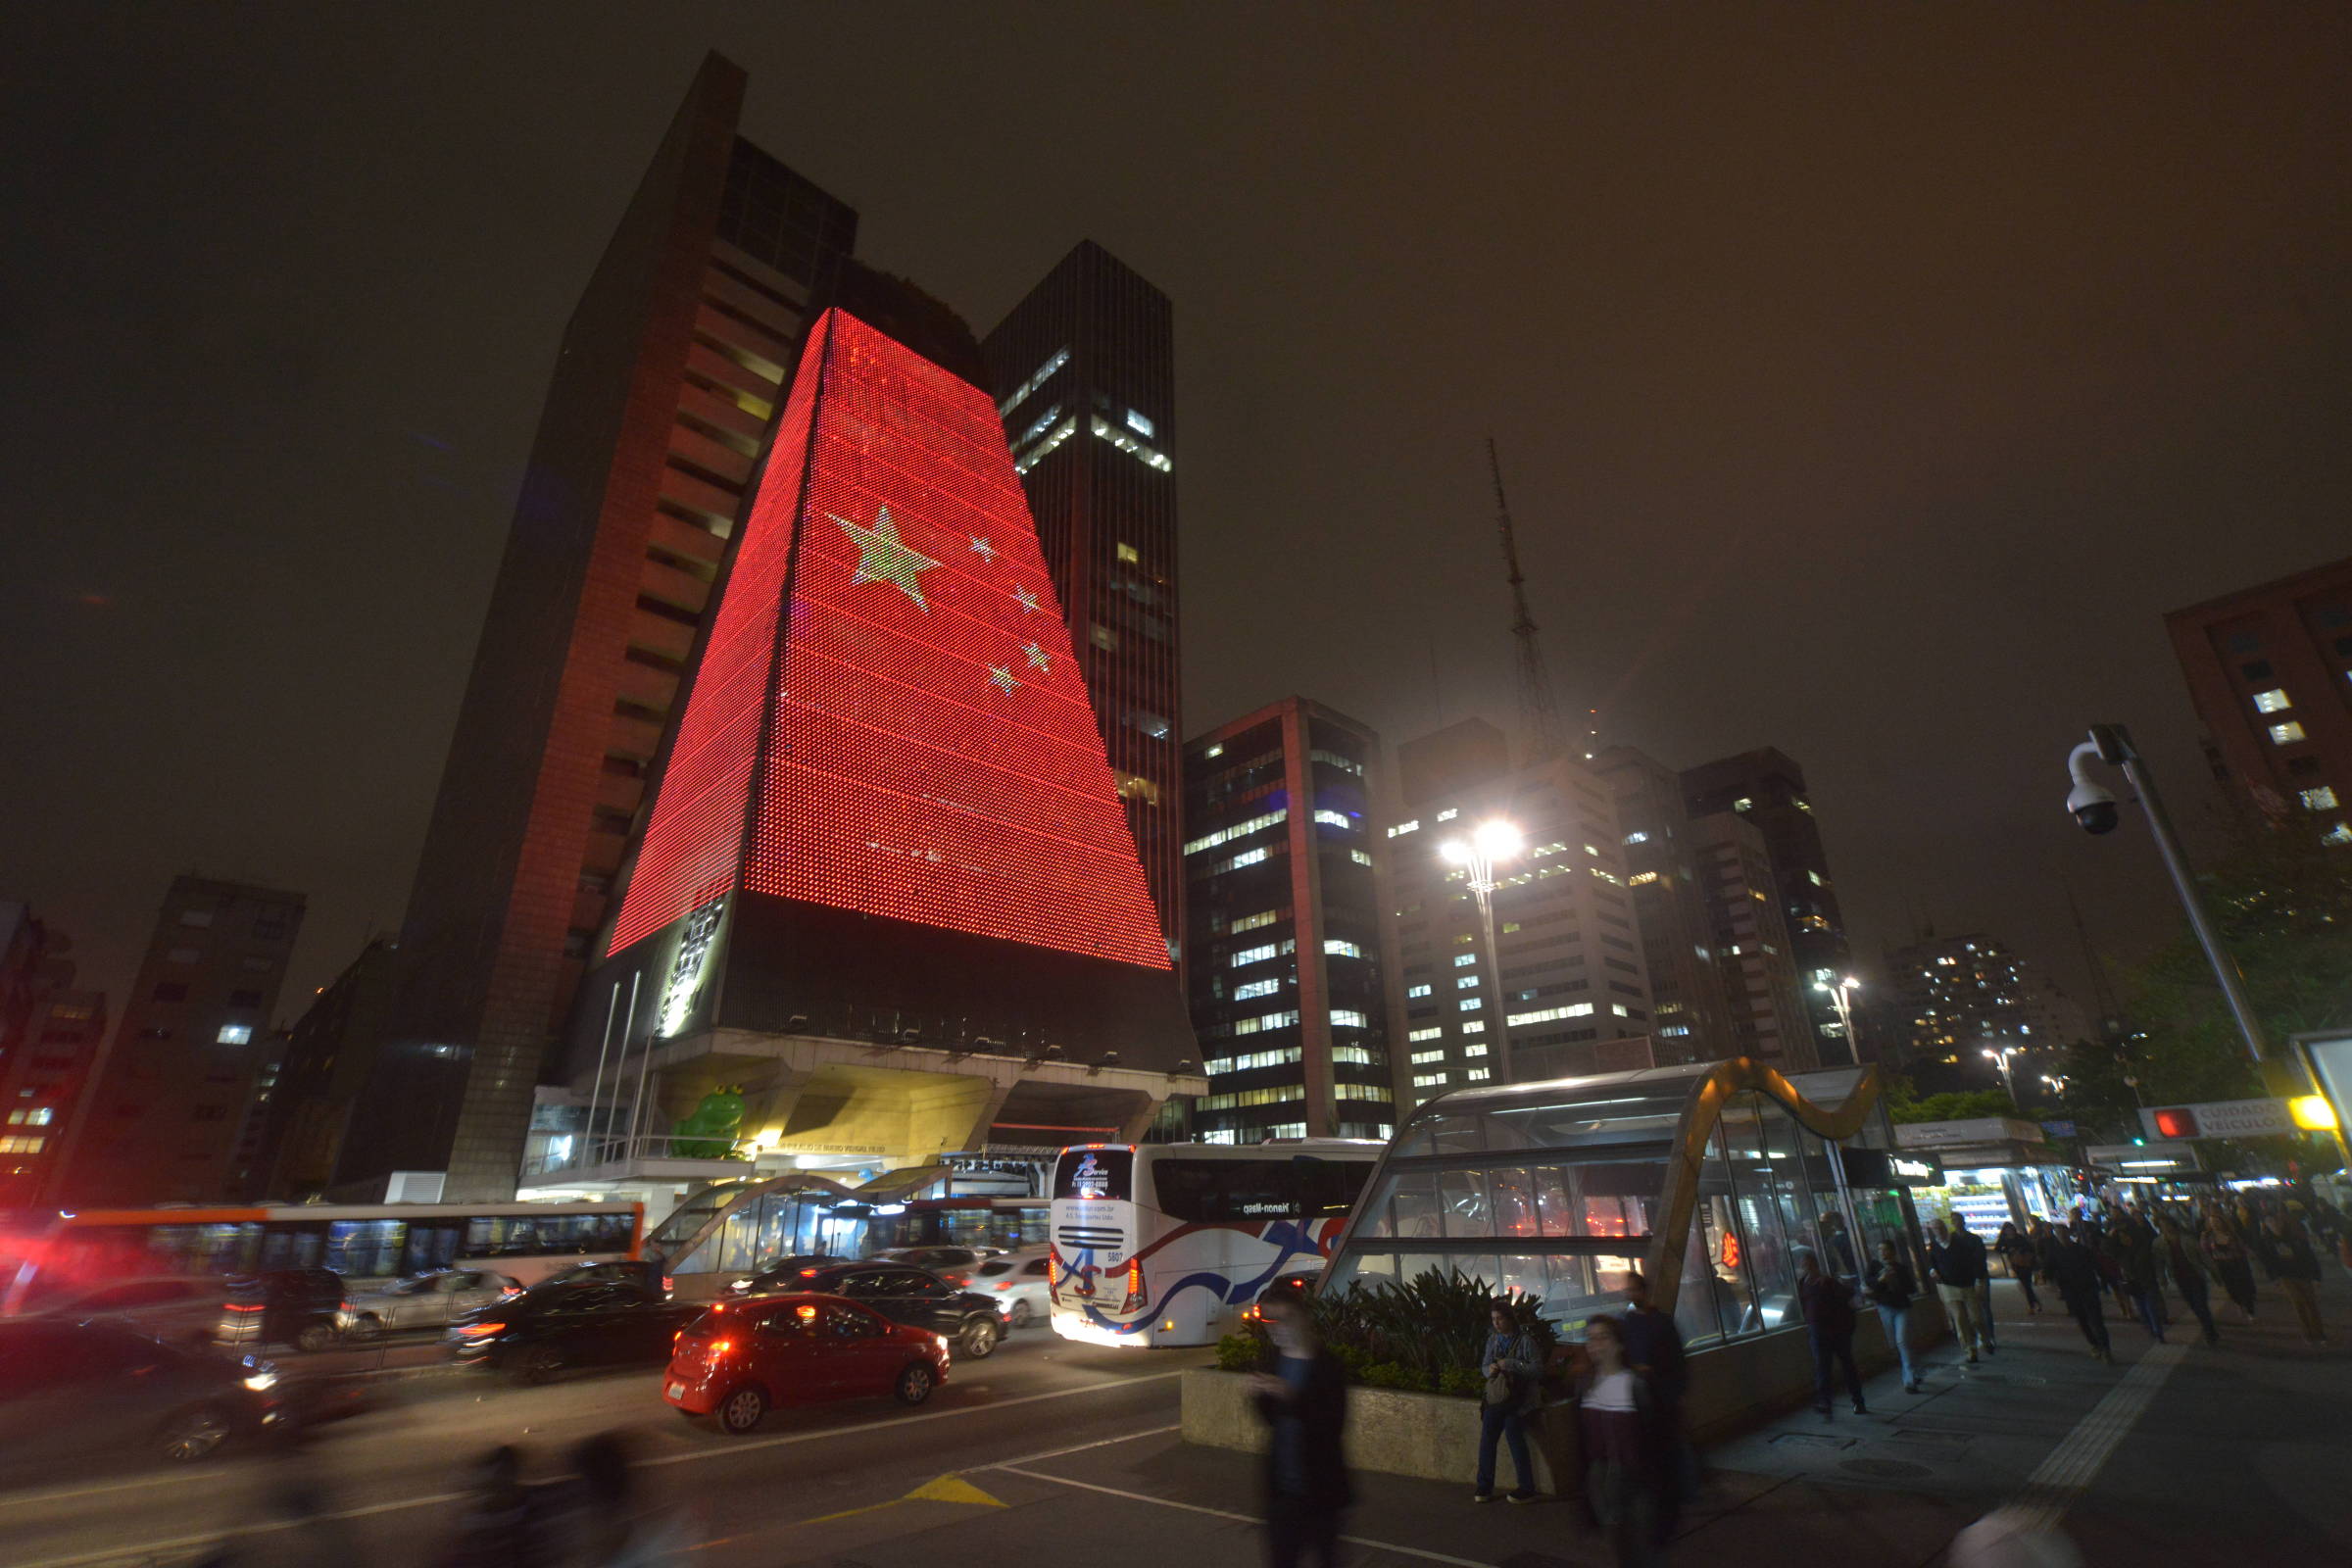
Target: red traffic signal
2176	1121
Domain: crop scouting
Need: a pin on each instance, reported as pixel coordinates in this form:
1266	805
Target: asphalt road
387	1482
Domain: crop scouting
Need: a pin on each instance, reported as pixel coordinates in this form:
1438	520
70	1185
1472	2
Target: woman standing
1624	1483
2230	1263
1509	1367
1892	1286
2013	1246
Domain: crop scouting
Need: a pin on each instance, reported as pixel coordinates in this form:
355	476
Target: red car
740	1359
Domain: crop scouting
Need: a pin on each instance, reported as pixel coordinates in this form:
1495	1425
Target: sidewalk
2180	1456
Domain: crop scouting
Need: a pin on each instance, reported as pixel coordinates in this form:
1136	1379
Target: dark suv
551	1327
917	1297
76	1392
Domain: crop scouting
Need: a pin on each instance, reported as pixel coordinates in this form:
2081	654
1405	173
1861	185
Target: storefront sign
2217	1118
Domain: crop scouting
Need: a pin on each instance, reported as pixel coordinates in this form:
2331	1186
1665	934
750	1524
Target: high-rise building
2270	669
50	1037
885	909
667	384
164	1123
1284	927
1960	996
328	1056
1751	944
1671	906
1572	988
1767	788
1083	373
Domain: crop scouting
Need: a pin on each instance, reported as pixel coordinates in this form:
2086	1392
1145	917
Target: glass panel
1462	1200
1705	1311
1553	1203
1770	1273
1514	1202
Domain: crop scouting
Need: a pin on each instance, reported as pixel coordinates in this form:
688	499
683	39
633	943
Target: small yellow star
883	558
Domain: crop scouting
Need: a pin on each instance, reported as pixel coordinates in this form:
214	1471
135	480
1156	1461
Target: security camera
2093	807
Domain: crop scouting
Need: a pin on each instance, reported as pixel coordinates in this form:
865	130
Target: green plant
1239	1352
1424	1333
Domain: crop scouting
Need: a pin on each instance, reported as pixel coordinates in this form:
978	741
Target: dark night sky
1869	380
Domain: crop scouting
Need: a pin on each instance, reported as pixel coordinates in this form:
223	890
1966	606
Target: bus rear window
1106	1173
1233	1191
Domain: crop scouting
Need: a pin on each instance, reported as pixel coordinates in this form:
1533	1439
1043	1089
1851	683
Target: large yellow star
883	558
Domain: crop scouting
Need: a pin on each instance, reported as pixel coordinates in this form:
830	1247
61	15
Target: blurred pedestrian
1892	1286
612	1526
2135	1259
2187	1269
2289	1255
1653	1348
2014	1246
501	1527
1509	1368
1828	1304
2232	1264
1301	1396
1625	1485
2075	1274
1956	1259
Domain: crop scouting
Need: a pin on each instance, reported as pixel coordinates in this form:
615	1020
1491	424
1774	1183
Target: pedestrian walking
612	1526
1892	1286
2291	1261
2014	1246
1510	1366
1302	1398
2186	1266
1625	1485
2232	1264
2073	1270
503	1524
1828	1304
2135	1259
1956	1259
1653	1348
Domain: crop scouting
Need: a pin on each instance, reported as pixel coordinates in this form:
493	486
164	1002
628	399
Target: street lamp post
2000	1058
1841	1001
1491	841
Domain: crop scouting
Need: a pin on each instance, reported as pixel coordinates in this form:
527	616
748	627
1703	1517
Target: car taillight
1003	1285
240	1307
483	1328
668	1284
343	1306
505	1291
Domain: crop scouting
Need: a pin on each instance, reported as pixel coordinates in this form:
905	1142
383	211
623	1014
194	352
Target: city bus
368	1244
1170	1244
1007	1224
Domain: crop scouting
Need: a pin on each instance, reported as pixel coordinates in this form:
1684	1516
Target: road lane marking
1241	1518
2068	1469
1081	1447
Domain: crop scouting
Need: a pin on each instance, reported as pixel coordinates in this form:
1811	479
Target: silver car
172	1309
428	1301
1021	1285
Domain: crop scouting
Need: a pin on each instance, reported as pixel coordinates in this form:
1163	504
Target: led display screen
929	753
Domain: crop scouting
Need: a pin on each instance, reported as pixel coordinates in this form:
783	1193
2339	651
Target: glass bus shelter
1708	1177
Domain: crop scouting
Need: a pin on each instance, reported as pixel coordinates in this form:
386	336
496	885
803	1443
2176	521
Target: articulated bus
365	1244
1170	1244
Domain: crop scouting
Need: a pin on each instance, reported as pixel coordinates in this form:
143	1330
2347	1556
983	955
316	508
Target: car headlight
260	1382
941	1340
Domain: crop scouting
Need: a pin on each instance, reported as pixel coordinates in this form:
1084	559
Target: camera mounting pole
2112	744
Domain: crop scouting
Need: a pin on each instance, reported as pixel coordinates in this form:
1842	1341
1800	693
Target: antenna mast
1539	713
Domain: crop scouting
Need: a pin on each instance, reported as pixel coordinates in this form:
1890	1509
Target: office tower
1961	997
2270	669
1751	944
50	1037
1284	927
1083	373
1671	906
163	1124
1768	789
666	386
329	1054
1573	990
885	909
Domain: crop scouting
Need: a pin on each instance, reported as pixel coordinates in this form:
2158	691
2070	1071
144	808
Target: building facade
1671	907
1084	375
1283	914
164	1121
1751	944
329	1054
50	1037
1767	788
1961	997
666	386
1567	979
2270	669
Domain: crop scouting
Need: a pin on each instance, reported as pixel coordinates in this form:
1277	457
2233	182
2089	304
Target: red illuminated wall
932	757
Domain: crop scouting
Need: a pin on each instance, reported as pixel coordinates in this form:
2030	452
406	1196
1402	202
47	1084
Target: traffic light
2176	1121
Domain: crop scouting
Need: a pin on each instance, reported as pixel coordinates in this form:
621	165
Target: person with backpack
1828	1304
1891	1287
1509	1367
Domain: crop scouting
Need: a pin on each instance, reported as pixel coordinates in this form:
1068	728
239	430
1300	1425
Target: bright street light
2000	1058
1489	842
1841	1000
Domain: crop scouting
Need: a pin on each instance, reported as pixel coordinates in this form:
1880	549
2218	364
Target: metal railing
612	1149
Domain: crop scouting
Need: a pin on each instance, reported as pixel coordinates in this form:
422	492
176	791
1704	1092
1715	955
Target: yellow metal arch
1669	1237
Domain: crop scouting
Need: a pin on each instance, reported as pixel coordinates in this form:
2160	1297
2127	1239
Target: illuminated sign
918	737
2218	1118
1919	1170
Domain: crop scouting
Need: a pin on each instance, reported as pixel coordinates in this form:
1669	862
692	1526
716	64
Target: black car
612	1270
554	1326
70	1393
784	1274
914	1296
297	1306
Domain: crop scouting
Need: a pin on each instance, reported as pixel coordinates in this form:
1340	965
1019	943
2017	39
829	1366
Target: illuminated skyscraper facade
1083	373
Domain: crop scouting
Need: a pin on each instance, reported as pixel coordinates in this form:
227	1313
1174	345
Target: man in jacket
1828	1303
2295	1267
2074	1269
1957	1261
1302	1398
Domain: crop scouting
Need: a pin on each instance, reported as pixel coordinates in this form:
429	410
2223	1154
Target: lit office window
1257	988
1138	425
1416	990
1424	1034
1341	947
2322	799
1210	841
2286	734
1422	1059
1251	955
1349	1019
1405	827
1359	856
2272	701
235	1034
1331	818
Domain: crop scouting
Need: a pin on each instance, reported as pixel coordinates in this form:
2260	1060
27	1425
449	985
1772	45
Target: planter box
1431	1437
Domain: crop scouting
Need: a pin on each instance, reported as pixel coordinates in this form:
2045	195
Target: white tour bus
1170	1244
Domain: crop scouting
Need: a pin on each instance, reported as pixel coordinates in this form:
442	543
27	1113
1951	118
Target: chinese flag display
889	673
